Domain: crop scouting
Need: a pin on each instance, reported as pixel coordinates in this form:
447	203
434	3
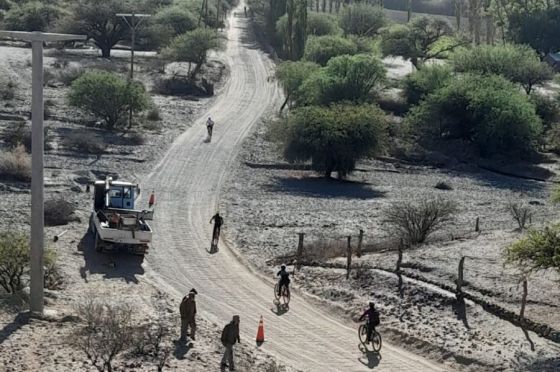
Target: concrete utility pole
37	207
135	21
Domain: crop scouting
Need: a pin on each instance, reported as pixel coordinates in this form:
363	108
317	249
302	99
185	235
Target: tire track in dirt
187	183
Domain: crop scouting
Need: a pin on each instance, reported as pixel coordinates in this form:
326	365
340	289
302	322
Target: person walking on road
230	335
188	313
218	222
210	127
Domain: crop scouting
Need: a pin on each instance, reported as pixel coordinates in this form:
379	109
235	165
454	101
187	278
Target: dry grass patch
15	165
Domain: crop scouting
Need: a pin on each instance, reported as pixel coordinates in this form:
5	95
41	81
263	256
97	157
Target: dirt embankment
269	202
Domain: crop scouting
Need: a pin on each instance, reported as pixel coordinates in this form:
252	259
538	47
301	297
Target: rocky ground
45	345
269	202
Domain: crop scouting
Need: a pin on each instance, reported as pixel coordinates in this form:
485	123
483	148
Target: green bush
425	81
547	108
178	18
362	19
14	258
292	75
345	78
539	250
320	24
15	165
320	49
334	138
517	63
107	96
487	111
31	16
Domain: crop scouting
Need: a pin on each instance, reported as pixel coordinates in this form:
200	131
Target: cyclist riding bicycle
284	279
373	320
209	126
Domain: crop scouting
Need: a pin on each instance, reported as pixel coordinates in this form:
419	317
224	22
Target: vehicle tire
376	341
91	227
97	243
362	334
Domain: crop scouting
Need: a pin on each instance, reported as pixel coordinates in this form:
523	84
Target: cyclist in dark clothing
284	279
218	222
373	319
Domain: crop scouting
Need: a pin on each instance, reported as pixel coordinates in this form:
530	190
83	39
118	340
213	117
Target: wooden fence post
348	258
459	283
360	239
523	300
299	253
399	259
476	226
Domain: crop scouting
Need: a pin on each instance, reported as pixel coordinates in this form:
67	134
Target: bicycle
375	337
284	295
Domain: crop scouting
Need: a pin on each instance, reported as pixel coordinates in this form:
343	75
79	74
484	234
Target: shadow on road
111	265
370	358
181	349
281	309
323	188
19	321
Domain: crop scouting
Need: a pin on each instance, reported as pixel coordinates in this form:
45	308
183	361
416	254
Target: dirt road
187	184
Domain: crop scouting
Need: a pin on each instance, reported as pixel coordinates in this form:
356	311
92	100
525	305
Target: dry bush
153	114
86	142
14	258
414	222
323	249
136	138
8	90
521	213
107	332
67	75
19	133
442	185
52	274
177	86
15	165
58	212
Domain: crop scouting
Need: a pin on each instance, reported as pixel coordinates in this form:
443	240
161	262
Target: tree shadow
370	358
325	188
19	321
181	349
460	308
111	265
281	308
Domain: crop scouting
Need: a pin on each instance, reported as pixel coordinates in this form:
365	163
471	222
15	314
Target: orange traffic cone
260	331
152	200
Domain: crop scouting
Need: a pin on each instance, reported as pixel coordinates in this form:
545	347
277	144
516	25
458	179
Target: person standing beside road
188	313
230	335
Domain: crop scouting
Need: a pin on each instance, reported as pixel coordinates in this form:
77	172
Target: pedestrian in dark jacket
230	335
188	313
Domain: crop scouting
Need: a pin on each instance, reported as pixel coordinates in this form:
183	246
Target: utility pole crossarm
39	36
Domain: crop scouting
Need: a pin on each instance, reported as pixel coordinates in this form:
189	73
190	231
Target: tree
537	28
320	24
487	111
97	20
291	29
334	138
419	41
320	49
291	75
517	63
345	78
31	16
178	18
362	19
107	96
425	81
193	47
539	250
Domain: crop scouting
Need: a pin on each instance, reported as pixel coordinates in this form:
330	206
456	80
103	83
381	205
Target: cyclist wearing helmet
373	320
284	279
209	126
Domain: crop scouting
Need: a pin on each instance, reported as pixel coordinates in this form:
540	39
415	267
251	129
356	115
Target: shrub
15	165
8	90
85	142
425	81
178	86
292	75
19	133
415	222
517	63
547	108
31	16
345	78
320	24
333	138
52	274
539	250
178	18
107	96
320	49
487	111
58	212
441	185
521	213
153	114
69	74
361	19
14	258
107	332
136	138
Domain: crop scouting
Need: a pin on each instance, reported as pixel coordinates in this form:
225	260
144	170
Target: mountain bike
375	337
284	295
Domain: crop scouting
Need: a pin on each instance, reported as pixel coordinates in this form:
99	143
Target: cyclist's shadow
281	308
370	358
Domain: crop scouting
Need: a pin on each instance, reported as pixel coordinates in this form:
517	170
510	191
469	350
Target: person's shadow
281	308
370	358
181	349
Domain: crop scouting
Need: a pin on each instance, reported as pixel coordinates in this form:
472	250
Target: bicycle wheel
276	292
376	341
362	333
286	295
